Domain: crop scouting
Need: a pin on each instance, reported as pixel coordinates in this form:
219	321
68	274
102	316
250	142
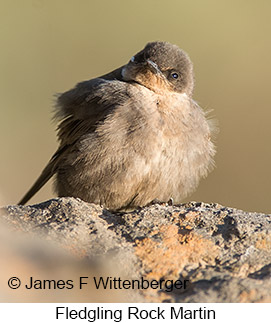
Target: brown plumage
132	136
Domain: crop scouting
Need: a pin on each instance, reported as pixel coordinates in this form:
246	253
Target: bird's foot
170	202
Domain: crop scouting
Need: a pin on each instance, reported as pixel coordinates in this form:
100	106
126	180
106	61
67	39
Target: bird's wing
79	110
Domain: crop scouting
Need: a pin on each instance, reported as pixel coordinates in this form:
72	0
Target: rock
219	254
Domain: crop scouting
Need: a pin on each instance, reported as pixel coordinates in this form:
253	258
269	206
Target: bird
132	136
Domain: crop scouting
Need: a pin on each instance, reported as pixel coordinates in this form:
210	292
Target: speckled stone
225	253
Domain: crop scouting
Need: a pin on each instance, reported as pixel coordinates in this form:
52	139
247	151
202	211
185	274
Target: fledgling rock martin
132	136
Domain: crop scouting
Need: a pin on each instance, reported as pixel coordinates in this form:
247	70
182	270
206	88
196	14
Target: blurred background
49	46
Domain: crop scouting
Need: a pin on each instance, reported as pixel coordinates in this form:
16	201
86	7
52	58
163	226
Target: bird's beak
153	67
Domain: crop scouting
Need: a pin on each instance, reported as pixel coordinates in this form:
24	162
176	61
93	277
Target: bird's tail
44	177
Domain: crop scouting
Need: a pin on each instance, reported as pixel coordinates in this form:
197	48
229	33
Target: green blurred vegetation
48	46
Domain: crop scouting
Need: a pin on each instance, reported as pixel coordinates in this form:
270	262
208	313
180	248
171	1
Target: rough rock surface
223	253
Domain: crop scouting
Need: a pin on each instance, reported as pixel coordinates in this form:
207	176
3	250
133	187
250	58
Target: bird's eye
138	58
175	75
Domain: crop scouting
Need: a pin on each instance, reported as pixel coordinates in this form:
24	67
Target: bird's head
161	66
